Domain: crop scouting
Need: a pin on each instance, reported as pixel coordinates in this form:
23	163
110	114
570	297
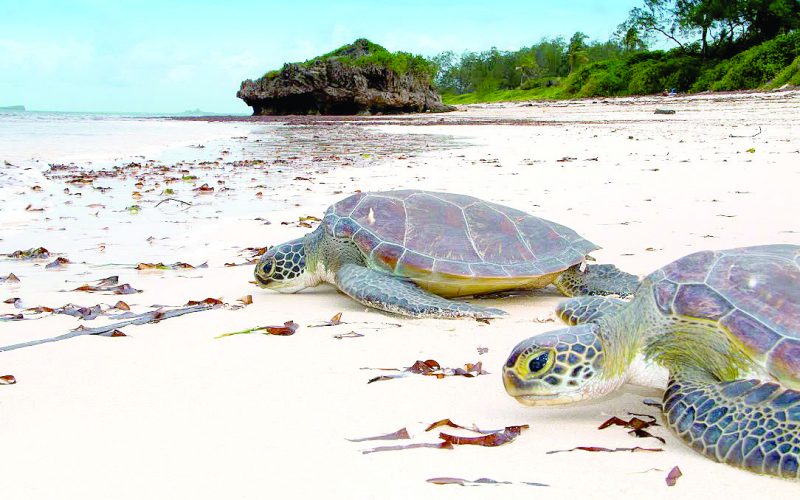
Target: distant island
18	107
358	78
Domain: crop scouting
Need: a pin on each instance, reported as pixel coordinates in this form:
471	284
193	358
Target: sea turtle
723	327
408	251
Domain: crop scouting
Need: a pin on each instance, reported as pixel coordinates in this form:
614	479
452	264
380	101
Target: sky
171	56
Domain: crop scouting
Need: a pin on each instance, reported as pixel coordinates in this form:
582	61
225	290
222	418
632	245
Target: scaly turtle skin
409	251
723	325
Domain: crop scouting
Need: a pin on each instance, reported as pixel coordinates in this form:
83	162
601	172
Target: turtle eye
539	363
268	268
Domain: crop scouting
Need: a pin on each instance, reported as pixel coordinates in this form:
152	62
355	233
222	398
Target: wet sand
170	411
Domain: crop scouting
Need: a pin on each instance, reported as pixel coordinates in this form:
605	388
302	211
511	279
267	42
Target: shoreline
173	411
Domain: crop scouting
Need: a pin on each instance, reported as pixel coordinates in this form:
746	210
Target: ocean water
101	185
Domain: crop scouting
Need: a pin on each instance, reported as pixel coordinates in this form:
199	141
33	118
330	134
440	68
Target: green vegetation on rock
362	52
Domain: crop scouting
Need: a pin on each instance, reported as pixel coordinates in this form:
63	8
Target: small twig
150	317
173	199
741	136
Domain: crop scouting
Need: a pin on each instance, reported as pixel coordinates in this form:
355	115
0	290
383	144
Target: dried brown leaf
7	380
246	300
122	306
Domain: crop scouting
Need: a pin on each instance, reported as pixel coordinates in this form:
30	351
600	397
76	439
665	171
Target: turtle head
283	267
559	367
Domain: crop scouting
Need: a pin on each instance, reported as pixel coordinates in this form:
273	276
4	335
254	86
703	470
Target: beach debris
7	380
449	441
246	300
288	328
664	112
444	445
31	253
122	306
166	200
115	333
600	449
478	482
204	189
431	368
155	316
209	301
750	150
636	425
334	321
59	262
11	278
108	285
398	434
482	350
12	317
652	402
740	136
673	475
348	335
496	438
144	266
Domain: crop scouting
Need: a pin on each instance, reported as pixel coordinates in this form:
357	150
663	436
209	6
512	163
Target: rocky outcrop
336	86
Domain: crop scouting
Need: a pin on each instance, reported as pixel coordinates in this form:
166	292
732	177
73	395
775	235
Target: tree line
702	33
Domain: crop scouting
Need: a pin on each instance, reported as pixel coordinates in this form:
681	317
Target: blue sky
170	56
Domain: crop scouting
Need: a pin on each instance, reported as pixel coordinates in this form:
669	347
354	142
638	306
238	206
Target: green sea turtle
723	325
408	252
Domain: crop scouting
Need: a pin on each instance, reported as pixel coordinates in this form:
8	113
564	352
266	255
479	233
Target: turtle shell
753	293
430	236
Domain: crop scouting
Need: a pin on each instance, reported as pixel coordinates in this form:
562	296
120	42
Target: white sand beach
169	411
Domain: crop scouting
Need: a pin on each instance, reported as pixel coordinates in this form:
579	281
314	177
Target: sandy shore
171	412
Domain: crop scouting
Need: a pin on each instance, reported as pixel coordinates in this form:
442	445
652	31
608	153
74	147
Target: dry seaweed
31	253
444	445
144	266
398	434
595	449
108	285
493	439
431	368
673	475
636	425
59	262
478	482
139	319
288	328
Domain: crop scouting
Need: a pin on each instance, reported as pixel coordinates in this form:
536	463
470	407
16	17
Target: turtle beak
263	282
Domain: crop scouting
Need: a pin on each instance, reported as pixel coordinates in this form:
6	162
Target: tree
655	16
577	54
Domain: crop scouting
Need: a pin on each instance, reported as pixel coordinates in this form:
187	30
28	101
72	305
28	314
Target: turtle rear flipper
602	279
401	296
585	309
744	423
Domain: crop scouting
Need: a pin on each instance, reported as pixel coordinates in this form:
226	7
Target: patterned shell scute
453	234
754	293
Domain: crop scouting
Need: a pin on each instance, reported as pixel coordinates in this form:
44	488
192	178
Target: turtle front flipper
596	279
744	423
585	309
401	296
